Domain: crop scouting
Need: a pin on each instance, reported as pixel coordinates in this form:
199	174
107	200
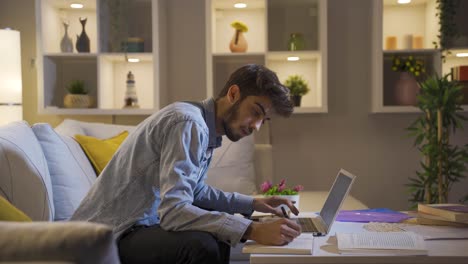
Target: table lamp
10	77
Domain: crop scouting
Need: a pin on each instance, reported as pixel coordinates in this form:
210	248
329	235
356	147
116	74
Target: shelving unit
270	23
405	23
104	69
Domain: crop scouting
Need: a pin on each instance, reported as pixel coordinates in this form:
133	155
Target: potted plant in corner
77	96
443	164
298	87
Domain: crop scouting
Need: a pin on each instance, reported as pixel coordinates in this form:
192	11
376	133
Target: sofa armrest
75	242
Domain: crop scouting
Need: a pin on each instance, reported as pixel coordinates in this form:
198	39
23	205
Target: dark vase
82	41
296	100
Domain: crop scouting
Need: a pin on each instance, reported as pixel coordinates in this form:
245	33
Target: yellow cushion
100	151
10	213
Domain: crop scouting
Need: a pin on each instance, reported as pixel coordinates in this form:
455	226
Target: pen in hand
284	212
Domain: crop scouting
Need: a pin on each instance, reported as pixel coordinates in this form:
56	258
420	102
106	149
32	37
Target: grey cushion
76	242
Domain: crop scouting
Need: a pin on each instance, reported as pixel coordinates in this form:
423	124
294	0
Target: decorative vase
82	41
294	198
296	42
296	100
238	42
406	90
66	44
77	101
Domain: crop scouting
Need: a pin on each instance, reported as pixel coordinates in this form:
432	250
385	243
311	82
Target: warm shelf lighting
240	5
76	5
293	58
133	60
403	2
462	54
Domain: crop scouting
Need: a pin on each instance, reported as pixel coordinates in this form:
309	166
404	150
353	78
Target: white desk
325	251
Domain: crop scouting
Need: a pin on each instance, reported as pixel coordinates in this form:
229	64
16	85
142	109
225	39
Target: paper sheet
302	245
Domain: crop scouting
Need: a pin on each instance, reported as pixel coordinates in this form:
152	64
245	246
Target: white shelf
417	18
103	70
96	111
285	16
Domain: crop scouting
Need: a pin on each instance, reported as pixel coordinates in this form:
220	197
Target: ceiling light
240	5
133	60
404	2
76	5
293	58
462	54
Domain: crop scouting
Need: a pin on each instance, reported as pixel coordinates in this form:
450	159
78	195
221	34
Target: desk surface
325	251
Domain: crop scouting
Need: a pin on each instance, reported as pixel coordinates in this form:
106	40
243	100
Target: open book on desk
381	243
302	245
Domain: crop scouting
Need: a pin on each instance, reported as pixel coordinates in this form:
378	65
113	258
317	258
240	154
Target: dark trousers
155	245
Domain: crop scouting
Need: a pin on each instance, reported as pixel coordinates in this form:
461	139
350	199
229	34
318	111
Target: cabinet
270	25
119	31
403	30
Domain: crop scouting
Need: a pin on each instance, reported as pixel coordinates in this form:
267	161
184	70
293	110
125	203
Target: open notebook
312	226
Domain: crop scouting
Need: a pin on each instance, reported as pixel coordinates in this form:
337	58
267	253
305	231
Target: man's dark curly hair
258	80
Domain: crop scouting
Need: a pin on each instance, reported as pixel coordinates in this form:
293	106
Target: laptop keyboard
307	225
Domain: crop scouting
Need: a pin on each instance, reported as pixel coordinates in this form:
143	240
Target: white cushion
71	127
70	171
25	179
232	166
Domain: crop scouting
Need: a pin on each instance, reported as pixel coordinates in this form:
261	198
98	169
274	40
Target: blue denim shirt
157	177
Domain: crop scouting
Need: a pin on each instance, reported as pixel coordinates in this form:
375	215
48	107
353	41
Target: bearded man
153	191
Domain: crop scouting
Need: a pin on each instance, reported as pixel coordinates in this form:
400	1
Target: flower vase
66	44
406	90
82	41
238	42
294	198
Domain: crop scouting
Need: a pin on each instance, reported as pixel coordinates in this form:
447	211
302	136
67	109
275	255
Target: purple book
382	215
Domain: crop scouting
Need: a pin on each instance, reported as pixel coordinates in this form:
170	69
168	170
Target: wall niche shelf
270	23
402	30
117	34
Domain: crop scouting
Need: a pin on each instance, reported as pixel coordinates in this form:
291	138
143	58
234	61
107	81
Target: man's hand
278	232
270	204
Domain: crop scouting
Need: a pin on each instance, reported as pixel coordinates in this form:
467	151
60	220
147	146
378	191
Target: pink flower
266	186
282	183
281	188
298	188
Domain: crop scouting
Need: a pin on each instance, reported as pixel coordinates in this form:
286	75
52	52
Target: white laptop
321	224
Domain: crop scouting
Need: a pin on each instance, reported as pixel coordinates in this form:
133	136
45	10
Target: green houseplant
298	87
446	11
443	163
77	96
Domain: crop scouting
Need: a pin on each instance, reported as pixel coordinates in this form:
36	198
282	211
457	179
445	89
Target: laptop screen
335	198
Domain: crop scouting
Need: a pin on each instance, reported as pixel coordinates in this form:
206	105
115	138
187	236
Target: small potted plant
77	96
298	87
238	42
267	188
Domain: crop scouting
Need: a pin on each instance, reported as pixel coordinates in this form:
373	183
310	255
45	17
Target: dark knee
203	247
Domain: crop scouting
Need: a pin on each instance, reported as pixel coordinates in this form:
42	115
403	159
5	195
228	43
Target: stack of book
443	214
460	74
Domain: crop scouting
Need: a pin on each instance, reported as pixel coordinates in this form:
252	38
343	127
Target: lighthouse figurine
131	100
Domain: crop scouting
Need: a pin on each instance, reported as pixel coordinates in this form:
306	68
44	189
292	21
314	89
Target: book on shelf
381	243
460	73
451	212
302	245
428	219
